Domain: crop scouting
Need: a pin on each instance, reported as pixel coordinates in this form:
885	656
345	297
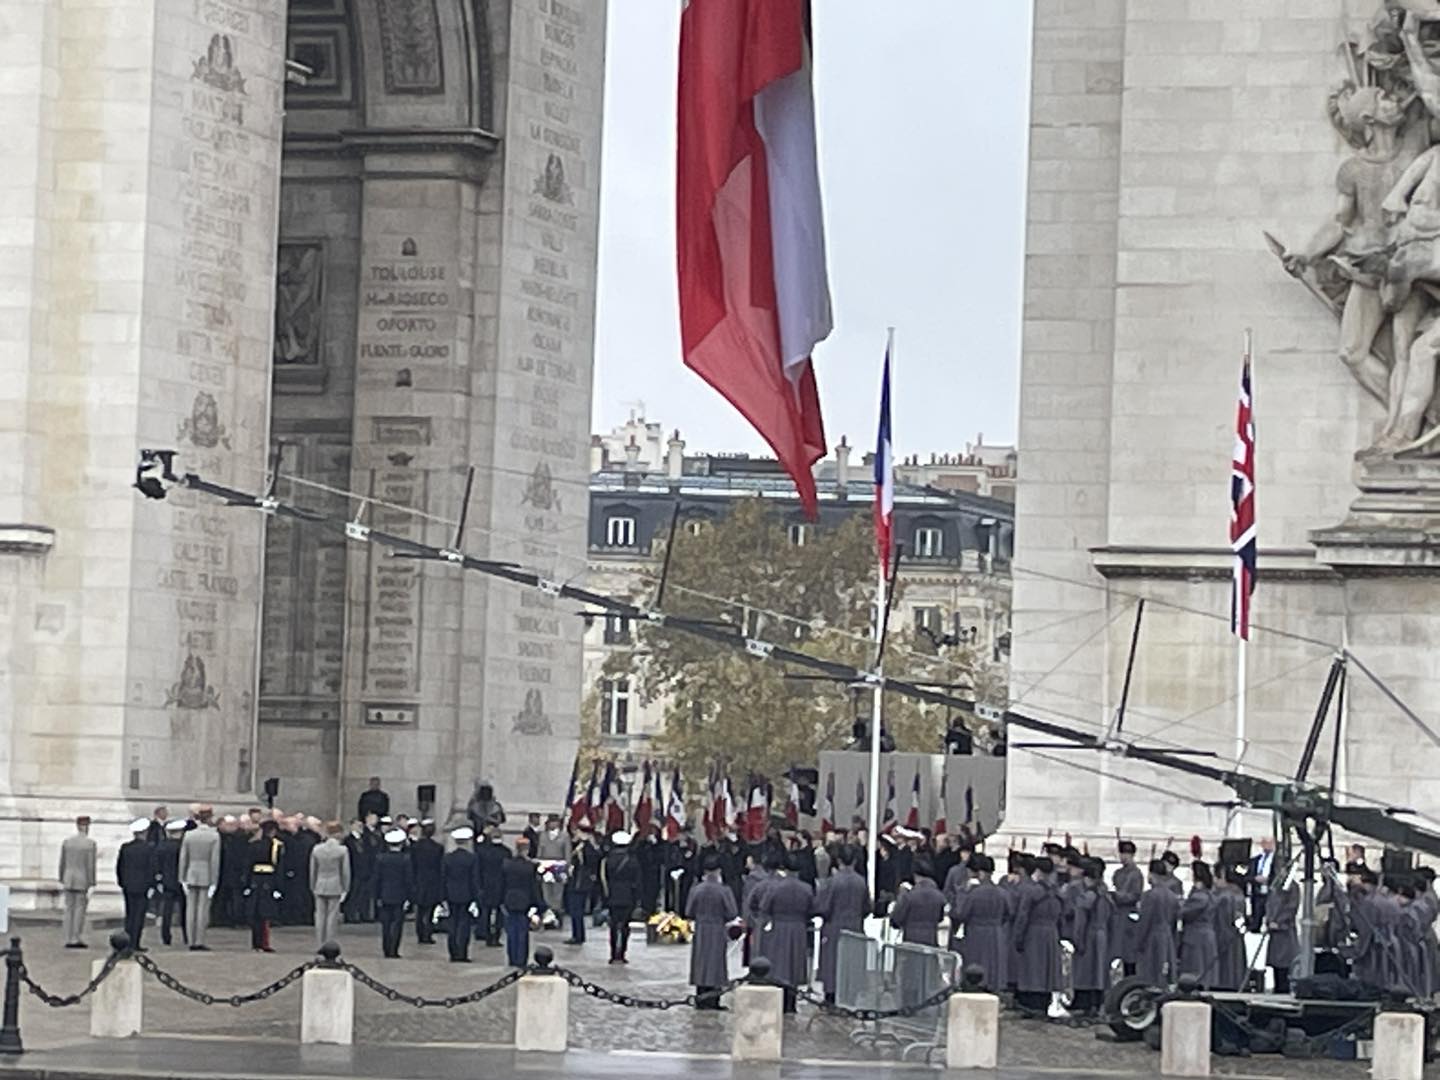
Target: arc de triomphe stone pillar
383	271
1197	169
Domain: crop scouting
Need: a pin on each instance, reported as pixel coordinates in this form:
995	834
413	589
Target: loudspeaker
1235	852
425	796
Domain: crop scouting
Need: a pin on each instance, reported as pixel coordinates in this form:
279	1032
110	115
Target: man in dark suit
460	885
394	888
520	880
135	874
373	801
426	854
1263	869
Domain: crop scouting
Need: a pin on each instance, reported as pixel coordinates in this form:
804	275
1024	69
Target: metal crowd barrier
871	974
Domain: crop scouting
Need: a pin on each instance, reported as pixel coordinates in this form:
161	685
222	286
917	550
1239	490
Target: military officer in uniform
262	885
460	886
784	909
426	854
394	889
135	874
77	878
842	903
710	907
167	867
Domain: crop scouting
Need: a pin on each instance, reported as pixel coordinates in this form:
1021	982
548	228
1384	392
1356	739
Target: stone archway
434	301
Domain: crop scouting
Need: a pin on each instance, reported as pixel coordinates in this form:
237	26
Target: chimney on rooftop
597	453
842	464
632	455
675	456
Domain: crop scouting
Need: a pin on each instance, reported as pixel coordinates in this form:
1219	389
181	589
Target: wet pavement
398	1040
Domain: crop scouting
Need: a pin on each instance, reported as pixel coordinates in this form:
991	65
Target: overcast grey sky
922	119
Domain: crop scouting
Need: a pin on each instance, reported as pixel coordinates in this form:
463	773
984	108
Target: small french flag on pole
884	475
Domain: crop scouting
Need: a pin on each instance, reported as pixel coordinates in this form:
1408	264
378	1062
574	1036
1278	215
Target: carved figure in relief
1376	261
531	720
192	691
297	304
217	67
551	184
203	428
540	490
1354	241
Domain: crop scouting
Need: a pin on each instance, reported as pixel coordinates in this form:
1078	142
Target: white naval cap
620	838
174	826
427	821
464	832
140	824
395	836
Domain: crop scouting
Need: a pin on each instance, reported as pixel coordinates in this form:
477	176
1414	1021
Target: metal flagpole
882	561
1234	825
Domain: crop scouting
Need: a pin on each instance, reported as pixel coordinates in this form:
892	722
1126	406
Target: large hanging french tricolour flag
750	236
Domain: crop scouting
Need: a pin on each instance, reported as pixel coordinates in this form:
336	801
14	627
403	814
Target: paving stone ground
654	971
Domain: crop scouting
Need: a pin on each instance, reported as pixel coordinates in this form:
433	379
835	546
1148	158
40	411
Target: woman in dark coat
1230	964
785	904
1094	912
1281	907
979	914
1199	951
842	903
1037	938
710	907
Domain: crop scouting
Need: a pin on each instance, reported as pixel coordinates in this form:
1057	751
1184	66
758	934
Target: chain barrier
631	1001
871	1015
170	982
61	1001
389	993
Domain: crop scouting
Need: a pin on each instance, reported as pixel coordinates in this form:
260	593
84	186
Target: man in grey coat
842	903
77	878
918	911
711	908
199	874
1127	888
784	910
1155	954
329	882
981	911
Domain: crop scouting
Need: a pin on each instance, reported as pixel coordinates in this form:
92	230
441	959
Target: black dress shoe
74	945
199	948
572	941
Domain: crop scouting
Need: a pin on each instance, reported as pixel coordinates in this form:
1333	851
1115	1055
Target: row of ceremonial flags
604	805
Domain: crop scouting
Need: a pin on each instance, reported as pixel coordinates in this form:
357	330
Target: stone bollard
117	1008
542	1008
972	1032
1399	1046
759	1012
1185	1038
327	1002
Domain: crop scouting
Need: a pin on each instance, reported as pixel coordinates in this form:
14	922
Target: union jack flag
1242	508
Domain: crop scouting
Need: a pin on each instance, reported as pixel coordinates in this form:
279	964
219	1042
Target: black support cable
1259	792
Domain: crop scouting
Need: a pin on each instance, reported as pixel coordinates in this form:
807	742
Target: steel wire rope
1014	569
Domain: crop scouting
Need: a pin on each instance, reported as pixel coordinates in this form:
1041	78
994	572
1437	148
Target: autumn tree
723	704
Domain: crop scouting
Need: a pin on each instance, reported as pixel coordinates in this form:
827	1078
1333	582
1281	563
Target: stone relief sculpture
297	304
1375	262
